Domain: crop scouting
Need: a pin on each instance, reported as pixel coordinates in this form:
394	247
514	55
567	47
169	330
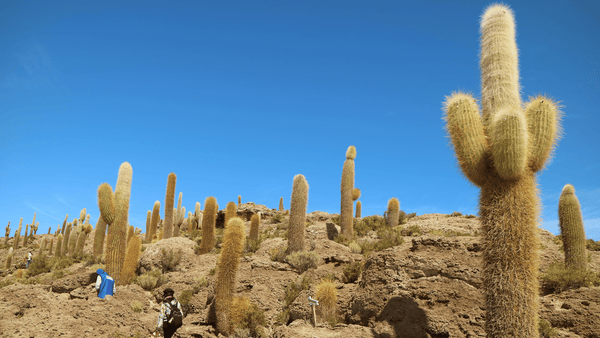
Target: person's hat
168	292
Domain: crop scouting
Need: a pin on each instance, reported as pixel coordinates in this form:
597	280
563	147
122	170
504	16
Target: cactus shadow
405	318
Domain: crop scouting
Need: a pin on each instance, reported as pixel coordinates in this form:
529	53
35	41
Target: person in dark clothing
170	315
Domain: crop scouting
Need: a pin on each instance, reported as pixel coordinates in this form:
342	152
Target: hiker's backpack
175	316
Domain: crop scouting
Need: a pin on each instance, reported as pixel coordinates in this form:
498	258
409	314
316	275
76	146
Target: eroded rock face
575	310
151	257
72	282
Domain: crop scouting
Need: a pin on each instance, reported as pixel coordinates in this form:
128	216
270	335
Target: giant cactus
298	214
99	237
208	225
154	220
571	229
18	234
500	152
347	189
169	201
7	233
230	211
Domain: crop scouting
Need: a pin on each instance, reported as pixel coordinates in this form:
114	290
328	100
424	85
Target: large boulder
153	254
72	282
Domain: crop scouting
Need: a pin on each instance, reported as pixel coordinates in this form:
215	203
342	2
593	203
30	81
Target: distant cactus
132	256
230	211
99	237
254	224
239	199
197	215
64	226
326	294
148	220
298	214
49	229
393	212
281	208
59	241
42	247
65	246
155	219
208	225
117	231
8	259
190	221
231	251
87	218
20	273
347	187
7	233
358	209
169	202
35	228
500	150
73	239
82	215
18	234
571	229
87	228
25	238
51	245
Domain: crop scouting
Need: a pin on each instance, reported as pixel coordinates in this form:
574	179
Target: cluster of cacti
169	202
571	229
500	151
208	225
99	237
7	233
232	250
393	212
347	190
18	234
132	256
254	224
114	208
9	259
298	214
230	212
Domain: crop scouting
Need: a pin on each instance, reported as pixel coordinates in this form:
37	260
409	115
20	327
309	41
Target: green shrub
414	230
170	259
252	246
137	306
185	297
40	264
352	271
354	247
278	254
293	290
7	282
277	218
150	280
369	223
559	278
303	260
455	214
200	282
213	271
58	274
546	330
61	262
470	216
336	220
330	277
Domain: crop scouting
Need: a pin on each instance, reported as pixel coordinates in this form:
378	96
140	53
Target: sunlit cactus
19	273
208	225
73	239
239	199
358	209
355	194
500	151
231	251
132	256
393	212
347	187
230	211
169	202
99	237
254	224
51	245
9	257
106	203
130	233
298	214
148	219
82	215
281	208
18	234
7	233
155	219
59	241
42	247
25	235
64	226
197	215
571	229
65	246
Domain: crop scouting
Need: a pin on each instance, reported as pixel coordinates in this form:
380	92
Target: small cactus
326	294
298	214
208	225
169	202
358	209
148	220
393	212
51	245
7	233
281	208
18	234
59	241
20	273
355	194
239	200
230	211
347	188
42	247
571	229
232	250
82	215
254	224
106	203
9	259
155	219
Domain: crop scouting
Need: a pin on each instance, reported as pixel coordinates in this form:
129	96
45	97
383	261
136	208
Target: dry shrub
137	306
352	271
40	264
170	259
559	278
150	280
246	317
326	294
546	330
303	260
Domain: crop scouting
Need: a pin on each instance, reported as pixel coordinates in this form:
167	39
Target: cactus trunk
347	186
169	202
571	229
208	225
99	237
298	214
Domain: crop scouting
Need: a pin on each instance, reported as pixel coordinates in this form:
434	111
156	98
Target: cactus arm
467	134
508	139
106	203
543	124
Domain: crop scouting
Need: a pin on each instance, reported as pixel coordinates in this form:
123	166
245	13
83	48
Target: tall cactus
233	248
82	215
347	187
65	246
208	225
571	229
254	225
155	219
169	201
298	214
230	212
148	220
8	259
393	212
51	245
59	245
7	233
99	237
62	231
18	234
281	208
25	238
132	256
197	215
358	209
117	229
500	151
239	199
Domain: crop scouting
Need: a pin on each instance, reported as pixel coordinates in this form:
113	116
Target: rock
318	216
72	282
332	231
300	309
576	310
152	255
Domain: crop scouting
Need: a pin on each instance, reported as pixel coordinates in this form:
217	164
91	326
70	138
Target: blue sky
237	97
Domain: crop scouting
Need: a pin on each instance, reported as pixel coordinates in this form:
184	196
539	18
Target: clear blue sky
237	97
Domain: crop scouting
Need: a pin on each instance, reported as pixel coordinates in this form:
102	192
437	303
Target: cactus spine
254	224
117	231
347	186
132	256
500	151
358	209
230	212
571	229
208	225
155	219
8	259
393	212
298	214
233	247
169	201
281	208
18	234
7	233
99	237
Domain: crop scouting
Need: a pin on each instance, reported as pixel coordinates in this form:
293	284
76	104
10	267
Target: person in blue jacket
105	285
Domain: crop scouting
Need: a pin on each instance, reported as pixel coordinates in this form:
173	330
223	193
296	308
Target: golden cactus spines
355	194
208	225
132	256
326	294
99	237
358	209
254	225
500	152
59	241
571	229
298	214
393	212
18	234
9	257
50	247
116	239
106	203
82	215
281	208
232	249
347	186
62	230
155	219
148	219
169	202
230	211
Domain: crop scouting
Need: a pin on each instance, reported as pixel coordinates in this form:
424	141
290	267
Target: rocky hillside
427	284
